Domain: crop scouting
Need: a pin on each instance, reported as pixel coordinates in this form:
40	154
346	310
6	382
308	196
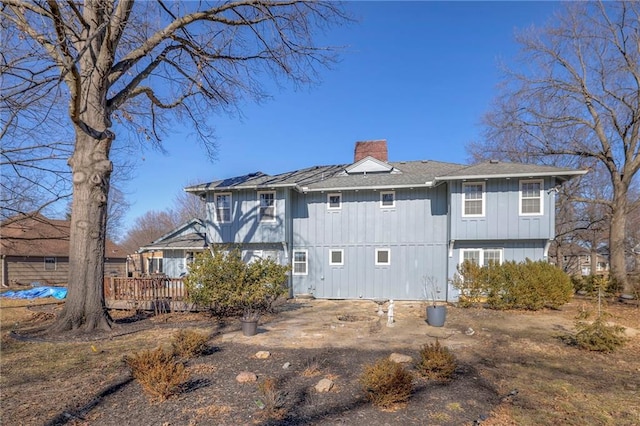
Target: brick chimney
376	149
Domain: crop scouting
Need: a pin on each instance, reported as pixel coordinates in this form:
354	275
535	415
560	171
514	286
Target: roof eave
512	175
427	184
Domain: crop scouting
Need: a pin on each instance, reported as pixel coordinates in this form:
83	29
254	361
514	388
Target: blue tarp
37	292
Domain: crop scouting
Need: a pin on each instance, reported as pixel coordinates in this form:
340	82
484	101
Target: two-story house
378	229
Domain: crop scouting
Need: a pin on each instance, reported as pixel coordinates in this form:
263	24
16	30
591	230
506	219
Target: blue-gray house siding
360	249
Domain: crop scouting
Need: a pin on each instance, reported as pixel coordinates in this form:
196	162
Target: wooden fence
152	293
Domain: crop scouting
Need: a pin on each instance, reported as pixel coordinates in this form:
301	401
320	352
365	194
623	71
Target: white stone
400	358
263	354
324	385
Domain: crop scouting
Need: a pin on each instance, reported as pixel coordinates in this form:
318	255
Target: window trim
378	250
522	198
334	194
393	204
482	250
482	199
215	206
55	263
294	262
341	263
261	216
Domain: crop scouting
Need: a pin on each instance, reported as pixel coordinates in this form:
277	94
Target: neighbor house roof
403	174
37	236
177	239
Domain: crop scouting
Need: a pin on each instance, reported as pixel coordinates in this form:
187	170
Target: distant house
171	253
34	248
577	260
378	229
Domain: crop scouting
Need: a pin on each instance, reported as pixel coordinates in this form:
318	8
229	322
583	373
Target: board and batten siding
245	225
502	218
414	231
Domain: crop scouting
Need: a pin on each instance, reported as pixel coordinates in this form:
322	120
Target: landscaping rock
263	354
286	365
400	358
246	377
324	385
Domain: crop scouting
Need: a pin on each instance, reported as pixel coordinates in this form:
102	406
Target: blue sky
418	74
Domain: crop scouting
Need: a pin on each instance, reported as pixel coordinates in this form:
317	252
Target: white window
387	199
334	201
336	257
223	208
481	257
473	199
267	206
383	257
300	262
155	265
50	264
531	197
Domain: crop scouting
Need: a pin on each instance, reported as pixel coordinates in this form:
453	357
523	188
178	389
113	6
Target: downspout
4	270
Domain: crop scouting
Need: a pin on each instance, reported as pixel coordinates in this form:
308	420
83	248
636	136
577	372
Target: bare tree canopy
575	101
121	64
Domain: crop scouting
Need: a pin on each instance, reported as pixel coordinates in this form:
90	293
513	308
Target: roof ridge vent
494	161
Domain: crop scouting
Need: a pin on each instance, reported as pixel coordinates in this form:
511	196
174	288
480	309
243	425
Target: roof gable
369	165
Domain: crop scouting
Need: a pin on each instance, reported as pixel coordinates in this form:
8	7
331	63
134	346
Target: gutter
512	175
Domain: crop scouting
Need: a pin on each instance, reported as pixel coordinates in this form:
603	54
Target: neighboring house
171	253
576	260
36	249
378	229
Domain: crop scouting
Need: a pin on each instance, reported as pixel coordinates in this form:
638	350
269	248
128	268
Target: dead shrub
273	398
158	372
189	344
436	362
386	383
312	367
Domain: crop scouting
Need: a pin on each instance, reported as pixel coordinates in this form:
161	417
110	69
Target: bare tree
120	64
575	101
148	228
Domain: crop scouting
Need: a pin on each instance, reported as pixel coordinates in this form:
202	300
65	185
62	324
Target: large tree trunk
616	237
85	309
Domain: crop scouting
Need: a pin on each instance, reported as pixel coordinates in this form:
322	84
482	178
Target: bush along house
376	229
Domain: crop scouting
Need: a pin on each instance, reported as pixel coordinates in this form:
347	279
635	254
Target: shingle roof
193	241
36	235
404	174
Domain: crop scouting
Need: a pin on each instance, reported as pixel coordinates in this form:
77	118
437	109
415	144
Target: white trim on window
300	262
387	199
334	201
482	255
222	212
267	206
338	260
475	200
532	197
382	259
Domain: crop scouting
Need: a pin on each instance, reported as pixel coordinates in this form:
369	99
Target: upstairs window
223	208
267	206
300	262
334	201
473	199
387	199
531	197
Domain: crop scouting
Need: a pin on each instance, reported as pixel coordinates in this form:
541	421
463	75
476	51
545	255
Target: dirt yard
513	369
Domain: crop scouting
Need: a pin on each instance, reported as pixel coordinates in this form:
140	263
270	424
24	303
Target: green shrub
158	372
227	285
599	336
188	344
591	284
526	285
436	362
386	383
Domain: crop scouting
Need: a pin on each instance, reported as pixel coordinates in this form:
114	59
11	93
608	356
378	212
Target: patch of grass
312	367
159	373
386	384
